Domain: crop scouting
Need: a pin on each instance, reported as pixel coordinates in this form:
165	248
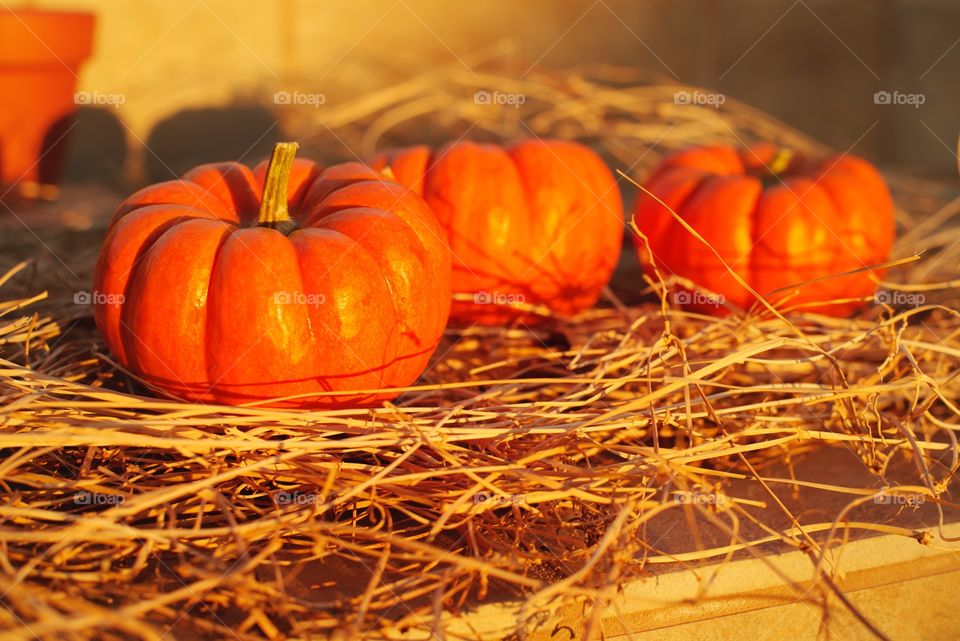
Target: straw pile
528	464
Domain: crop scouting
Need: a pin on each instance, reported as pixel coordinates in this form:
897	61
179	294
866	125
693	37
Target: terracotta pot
40	54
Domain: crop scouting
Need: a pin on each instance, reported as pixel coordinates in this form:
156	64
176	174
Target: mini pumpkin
539	223
239	286
777	218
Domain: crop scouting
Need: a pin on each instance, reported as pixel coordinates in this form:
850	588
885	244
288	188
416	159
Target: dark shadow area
53	150
213	134
96	148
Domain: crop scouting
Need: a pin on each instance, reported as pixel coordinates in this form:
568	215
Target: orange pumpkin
777	218
235	286
540	223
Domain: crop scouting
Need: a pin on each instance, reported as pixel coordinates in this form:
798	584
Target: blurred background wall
197	77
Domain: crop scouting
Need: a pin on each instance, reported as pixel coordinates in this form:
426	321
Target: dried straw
538	465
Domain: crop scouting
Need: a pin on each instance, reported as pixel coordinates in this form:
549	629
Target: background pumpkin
776	218
233	285
540	222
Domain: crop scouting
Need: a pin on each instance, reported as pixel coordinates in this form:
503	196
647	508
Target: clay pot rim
35	12
41	38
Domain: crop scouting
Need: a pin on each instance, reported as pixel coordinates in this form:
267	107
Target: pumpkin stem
781	160
273	203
